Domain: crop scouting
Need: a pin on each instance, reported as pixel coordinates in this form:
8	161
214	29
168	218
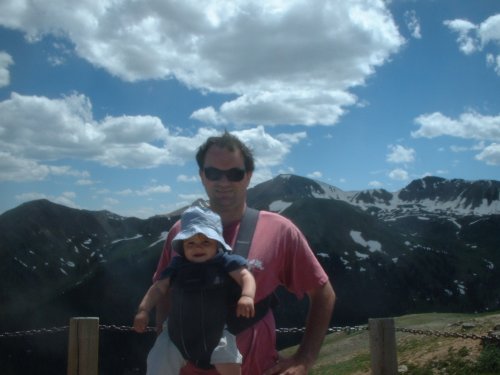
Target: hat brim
197	229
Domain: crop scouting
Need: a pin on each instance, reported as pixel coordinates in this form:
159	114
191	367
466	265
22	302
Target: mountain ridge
429	194
385	255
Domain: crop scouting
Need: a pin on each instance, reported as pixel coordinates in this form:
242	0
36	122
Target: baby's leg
164	357
228	368
226	357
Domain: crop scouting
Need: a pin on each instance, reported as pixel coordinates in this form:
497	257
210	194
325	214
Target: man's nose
224	180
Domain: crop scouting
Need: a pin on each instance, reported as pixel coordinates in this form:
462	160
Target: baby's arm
246	280
158	290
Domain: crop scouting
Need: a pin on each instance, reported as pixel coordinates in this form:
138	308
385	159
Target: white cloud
132	129
185	178
315	174
286	105
454	148
494	61
261	174
473	38
111	201
375	184
292	138
15	168
149	190
290	62
85	182
490	155
470	125
398	174
489	30
413	24
467	43
5	61
38	129
65	199
400	154
158	189
208	115
269	151
189	198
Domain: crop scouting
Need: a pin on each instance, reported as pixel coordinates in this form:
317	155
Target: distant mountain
432	246
427	195
428	247
47	249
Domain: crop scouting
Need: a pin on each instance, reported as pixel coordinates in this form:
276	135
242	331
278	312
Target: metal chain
330	329
123	328
34	332
117	328
347	329
430	332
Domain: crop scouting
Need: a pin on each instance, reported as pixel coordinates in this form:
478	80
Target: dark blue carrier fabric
205	299
201	295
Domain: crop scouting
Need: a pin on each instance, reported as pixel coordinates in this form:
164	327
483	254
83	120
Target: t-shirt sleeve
167	252
302	271
233	262
280	256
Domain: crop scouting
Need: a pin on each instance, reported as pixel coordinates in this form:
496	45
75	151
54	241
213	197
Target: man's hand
321	301
141	321
289	366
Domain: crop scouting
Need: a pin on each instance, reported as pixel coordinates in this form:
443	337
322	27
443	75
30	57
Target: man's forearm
161	313
321	303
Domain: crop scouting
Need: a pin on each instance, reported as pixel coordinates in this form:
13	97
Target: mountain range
432	246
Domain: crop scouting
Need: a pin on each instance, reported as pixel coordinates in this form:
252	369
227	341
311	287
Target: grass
349	354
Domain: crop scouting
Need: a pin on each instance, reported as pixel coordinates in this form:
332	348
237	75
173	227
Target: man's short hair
229	142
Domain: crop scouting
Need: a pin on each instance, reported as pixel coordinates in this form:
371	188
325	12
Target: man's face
225	195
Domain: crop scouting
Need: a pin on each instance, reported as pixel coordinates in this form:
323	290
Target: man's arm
321	302
151	299
161	312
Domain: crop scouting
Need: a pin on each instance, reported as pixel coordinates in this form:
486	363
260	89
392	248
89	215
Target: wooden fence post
83	346
383	346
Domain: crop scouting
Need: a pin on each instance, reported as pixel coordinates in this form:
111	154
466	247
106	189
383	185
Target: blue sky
104	103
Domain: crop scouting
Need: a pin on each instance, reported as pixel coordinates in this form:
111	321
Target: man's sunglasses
233	174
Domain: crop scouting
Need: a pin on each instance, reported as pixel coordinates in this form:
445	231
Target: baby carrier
204	298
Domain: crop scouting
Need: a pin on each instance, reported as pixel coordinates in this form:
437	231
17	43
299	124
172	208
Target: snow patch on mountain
279	206
489	264
460	287
127	238
330	192
361	256
161	238
370	244
421	196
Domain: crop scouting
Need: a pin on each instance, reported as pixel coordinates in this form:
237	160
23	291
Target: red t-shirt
279	255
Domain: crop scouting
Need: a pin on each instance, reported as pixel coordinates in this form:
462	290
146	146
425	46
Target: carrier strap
242	247
246	231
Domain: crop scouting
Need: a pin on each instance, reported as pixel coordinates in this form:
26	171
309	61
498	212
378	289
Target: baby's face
199	248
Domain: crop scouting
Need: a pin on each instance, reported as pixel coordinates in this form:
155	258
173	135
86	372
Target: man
279	255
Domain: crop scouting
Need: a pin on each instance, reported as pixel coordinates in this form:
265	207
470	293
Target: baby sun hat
199	220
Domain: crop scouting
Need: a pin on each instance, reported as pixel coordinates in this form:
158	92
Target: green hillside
418	354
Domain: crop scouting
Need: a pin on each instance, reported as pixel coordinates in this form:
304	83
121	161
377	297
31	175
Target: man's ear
249	176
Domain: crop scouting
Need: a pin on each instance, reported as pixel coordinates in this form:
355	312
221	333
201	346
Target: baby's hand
141	321
245	307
